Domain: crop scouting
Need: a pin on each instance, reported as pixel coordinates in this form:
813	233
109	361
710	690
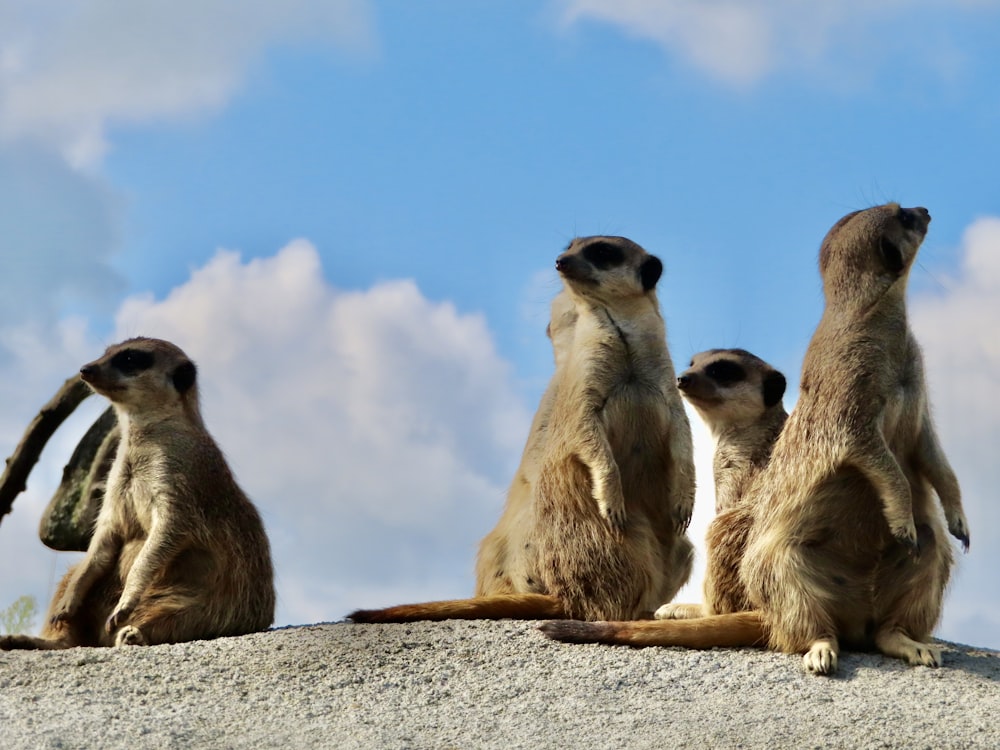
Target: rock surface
483	684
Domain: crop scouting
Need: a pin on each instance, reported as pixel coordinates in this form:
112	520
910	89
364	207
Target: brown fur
738	395
597	529
847	542
179	553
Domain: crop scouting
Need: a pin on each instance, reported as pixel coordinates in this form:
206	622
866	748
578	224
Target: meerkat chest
135	485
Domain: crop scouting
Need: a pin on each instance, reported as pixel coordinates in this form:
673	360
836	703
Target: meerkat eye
907	218
725	372
604	255
132	361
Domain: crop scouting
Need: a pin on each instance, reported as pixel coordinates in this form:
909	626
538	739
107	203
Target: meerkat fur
738	395
597	531
847	544
179	552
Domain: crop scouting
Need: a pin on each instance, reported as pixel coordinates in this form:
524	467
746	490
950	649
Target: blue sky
348	212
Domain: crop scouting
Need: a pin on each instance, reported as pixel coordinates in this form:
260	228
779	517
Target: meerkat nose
560	263
88	371
924	212
683	381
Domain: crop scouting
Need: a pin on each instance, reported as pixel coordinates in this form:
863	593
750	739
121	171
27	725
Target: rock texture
483	684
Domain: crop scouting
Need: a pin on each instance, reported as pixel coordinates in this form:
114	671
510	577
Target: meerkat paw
614	515
64	610
130	636
821	658
118	617
958	527
925	655
682	514
679	612
906	534
901	646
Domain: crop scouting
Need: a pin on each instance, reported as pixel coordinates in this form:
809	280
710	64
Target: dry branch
45	423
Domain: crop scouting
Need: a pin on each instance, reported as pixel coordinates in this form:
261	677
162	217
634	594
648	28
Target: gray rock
484	685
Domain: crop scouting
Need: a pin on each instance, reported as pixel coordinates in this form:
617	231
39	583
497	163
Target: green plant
19	617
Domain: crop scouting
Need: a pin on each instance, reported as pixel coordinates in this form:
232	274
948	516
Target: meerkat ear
184	376
774	388
650	272
891	255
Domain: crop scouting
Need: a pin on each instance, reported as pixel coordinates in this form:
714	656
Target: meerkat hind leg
130	636
901	646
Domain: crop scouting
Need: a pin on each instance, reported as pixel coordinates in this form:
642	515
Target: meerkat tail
727	631
31	643
493	607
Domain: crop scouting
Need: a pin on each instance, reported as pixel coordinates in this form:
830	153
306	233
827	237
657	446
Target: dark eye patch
604	255
132	361
907	218
725	372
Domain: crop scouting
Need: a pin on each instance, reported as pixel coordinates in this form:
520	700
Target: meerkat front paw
611	502
682	513
821	658
64	610
118	617
906	534
958	527
614	515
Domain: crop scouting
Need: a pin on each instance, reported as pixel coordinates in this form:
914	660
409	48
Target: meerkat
494	573
179	552
597	530
738	395
846	543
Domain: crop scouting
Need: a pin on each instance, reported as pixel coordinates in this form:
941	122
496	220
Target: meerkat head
869	252
608	269
562	325
731	388
145	378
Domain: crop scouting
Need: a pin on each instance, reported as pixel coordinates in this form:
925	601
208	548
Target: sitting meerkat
846	543
178	553
494	572
738	395
596	526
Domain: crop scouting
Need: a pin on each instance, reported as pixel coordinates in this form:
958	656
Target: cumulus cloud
376	430
67	69
956	326
742	42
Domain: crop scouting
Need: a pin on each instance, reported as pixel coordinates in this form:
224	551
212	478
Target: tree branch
46	422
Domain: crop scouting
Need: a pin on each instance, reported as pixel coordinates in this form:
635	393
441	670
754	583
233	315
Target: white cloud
70	67
740	42
957	328
376	430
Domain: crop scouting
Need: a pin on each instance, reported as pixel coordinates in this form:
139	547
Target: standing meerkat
738	395
847	544
598	530
179	552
